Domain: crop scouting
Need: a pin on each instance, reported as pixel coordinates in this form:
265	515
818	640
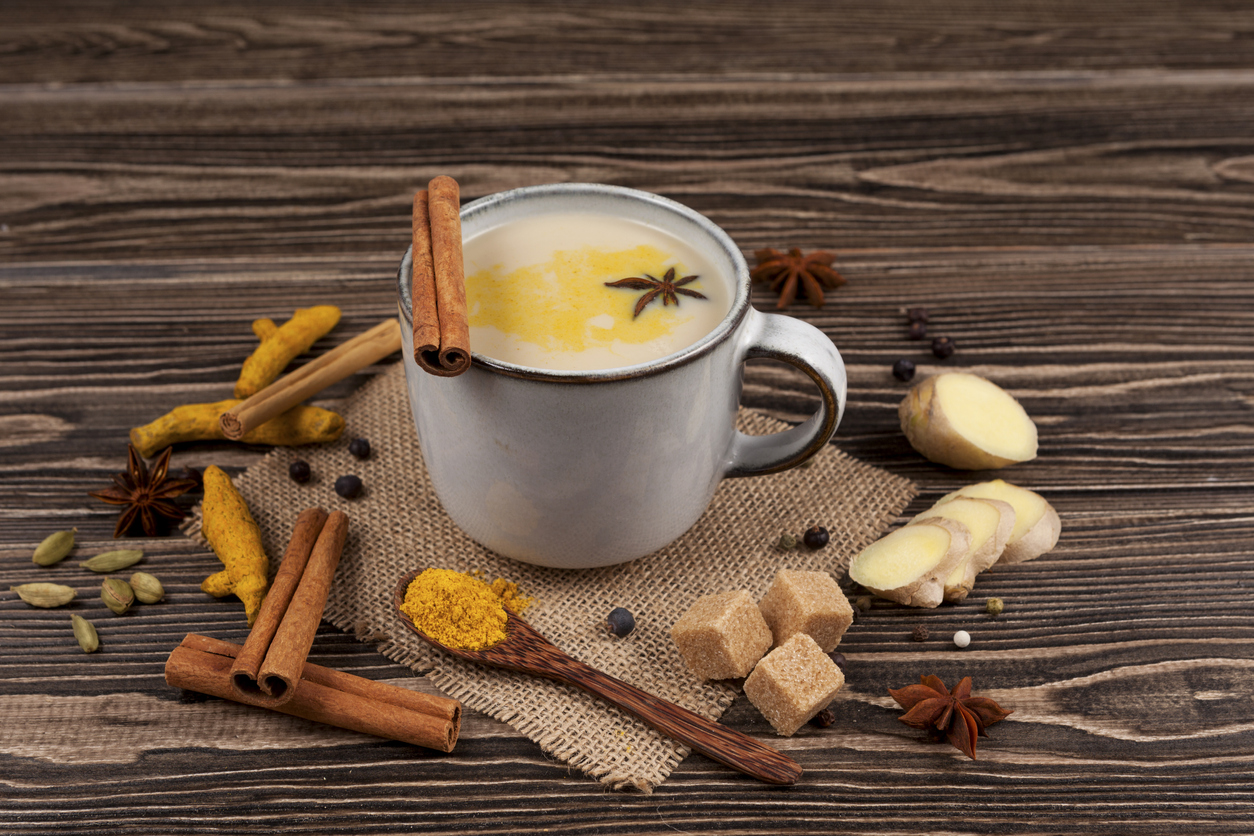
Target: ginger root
235	538
910	565
990	522
966	422
199	422
1036	527
279	346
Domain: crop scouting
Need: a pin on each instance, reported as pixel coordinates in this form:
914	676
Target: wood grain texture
1068	187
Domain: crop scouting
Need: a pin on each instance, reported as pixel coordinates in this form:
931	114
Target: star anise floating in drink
147	494
795	271
957	715
668	287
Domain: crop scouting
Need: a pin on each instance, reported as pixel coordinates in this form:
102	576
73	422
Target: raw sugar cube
722	636
793	683
806	602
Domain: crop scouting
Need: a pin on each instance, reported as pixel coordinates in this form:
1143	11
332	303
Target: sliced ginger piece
910	565
1037	525
966	422
990	522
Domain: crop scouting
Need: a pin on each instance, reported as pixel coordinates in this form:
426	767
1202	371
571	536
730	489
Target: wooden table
1068	187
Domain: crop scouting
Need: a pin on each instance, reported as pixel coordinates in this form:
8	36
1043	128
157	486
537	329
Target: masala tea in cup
598	415
588	291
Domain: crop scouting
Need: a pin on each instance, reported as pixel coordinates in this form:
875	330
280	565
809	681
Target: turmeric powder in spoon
461	610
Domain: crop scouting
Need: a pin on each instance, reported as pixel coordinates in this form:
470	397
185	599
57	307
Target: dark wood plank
329	169
154	41
1066	186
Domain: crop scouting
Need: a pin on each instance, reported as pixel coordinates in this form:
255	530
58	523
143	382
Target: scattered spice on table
956	715
794	272
146	494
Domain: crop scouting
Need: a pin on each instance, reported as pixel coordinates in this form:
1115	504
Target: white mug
578	469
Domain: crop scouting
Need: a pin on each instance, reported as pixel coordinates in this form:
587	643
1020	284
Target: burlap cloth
397	525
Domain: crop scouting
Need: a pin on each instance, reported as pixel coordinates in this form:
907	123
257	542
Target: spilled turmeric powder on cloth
460	609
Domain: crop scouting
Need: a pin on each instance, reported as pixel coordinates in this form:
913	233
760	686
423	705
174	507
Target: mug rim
708	342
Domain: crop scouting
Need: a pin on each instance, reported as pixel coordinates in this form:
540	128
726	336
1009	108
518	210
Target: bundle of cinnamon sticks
441	331
271	671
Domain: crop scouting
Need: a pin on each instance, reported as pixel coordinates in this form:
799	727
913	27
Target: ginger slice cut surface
1036	528
990	522
1029	505
986	415
910	565
901	557
967	422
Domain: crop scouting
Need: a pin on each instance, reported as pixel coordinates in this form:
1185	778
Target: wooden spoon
526	651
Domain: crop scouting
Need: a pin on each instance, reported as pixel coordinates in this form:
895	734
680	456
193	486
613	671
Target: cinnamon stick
285	658
444	207
245	673
361	351
325	695
423	291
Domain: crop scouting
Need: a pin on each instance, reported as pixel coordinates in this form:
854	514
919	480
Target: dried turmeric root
236	539
199	422
279	346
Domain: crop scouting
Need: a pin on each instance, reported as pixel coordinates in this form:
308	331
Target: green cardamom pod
117	595
148	590
85	632
54	548
114	561
45	595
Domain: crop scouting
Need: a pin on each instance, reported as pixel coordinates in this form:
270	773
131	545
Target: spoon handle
717	742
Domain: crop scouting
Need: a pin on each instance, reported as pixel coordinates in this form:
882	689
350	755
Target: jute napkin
397	525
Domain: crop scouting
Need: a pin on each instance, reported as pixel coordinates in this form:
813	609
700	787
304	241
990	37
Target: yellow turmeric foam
536	293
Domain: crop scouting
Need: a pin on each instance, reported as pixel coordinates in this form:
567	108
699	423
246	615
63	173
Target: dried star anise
956	714
786	271
667	287
145	493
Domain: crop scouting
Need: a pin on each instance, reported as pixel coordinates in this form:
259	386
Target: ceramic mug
578	469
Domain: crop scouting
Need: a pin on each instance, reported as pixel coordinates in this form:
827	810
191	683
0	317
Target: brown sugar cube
806	602
722	636
793	683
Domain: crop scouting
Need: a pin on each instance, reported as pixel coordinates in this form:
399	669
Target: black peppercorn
839	659
917	314
942	347
348	486
816	537
918	330
299	471
619	622
903	370
360	448
824	718
920	634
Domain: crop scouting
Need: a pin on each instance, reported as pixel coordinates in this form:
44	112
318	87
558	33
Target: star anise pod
145	493
792	271
956	714
667	287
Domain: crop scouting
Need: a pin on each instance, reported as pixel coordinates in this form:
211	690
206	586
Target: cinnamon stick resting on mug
325	695
349	358
441	330
268	668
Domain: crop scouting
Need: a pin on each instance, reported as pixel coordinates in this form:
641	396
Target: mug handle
805	347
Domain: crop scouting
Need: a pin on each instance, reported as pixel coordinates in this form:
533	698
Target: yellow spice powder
459	609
